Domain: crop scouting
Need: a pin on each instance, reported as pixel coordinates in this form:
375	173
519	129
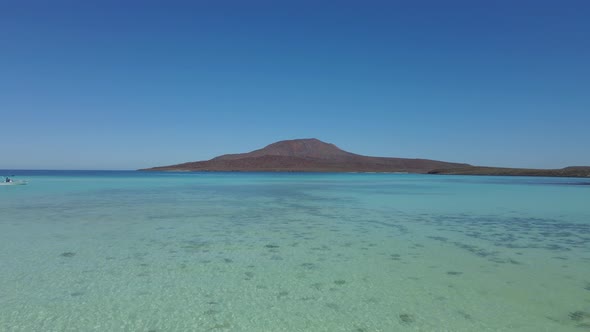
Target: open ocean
134	251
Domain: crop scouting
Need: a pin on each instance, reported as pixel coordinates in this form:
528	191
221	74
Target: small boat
13	183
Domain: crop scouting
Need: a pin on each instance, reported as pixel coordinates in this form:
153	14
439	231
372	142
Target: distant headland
572	171
313	155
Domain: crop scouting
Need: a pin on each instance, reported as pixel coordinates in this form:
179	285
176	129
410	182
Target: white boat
13	183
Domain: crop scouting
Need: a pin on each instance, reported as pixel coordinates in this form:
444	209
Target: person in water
8	179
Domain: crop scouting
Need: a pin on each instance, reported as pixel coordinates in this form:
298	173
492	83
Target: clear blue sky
131	84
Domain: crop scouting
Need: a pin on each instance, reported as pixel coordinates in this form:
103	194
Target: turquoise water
130	251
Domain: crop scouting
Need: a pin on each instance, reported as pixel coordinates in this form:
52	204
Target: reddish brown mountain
309	155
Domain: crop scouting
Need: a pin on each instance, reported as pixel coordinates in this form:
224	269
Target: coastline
572	171
476	171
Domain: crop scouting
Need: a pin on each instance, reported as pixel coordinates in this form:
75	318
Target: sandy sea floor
129	251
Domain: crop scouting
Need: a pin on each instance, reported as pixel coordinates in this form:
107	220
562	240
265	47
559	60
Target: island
313	155
309	155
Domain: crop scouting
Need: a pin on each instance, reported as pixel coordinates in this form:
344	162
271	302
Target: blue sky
131	84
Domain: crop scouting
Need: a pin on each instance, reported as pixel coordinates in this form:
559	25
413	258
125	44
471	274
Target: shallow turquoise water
130	251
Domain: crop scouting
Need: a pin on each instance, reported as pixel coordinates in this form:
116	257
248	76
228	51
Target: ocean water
132	251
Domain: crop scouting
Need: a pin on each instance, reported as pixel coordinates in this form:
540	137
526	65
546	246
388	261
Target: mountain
309	155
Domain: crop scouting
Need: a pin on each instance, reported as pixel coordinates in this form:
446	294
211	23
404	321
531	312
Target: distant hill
309	155
313	155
